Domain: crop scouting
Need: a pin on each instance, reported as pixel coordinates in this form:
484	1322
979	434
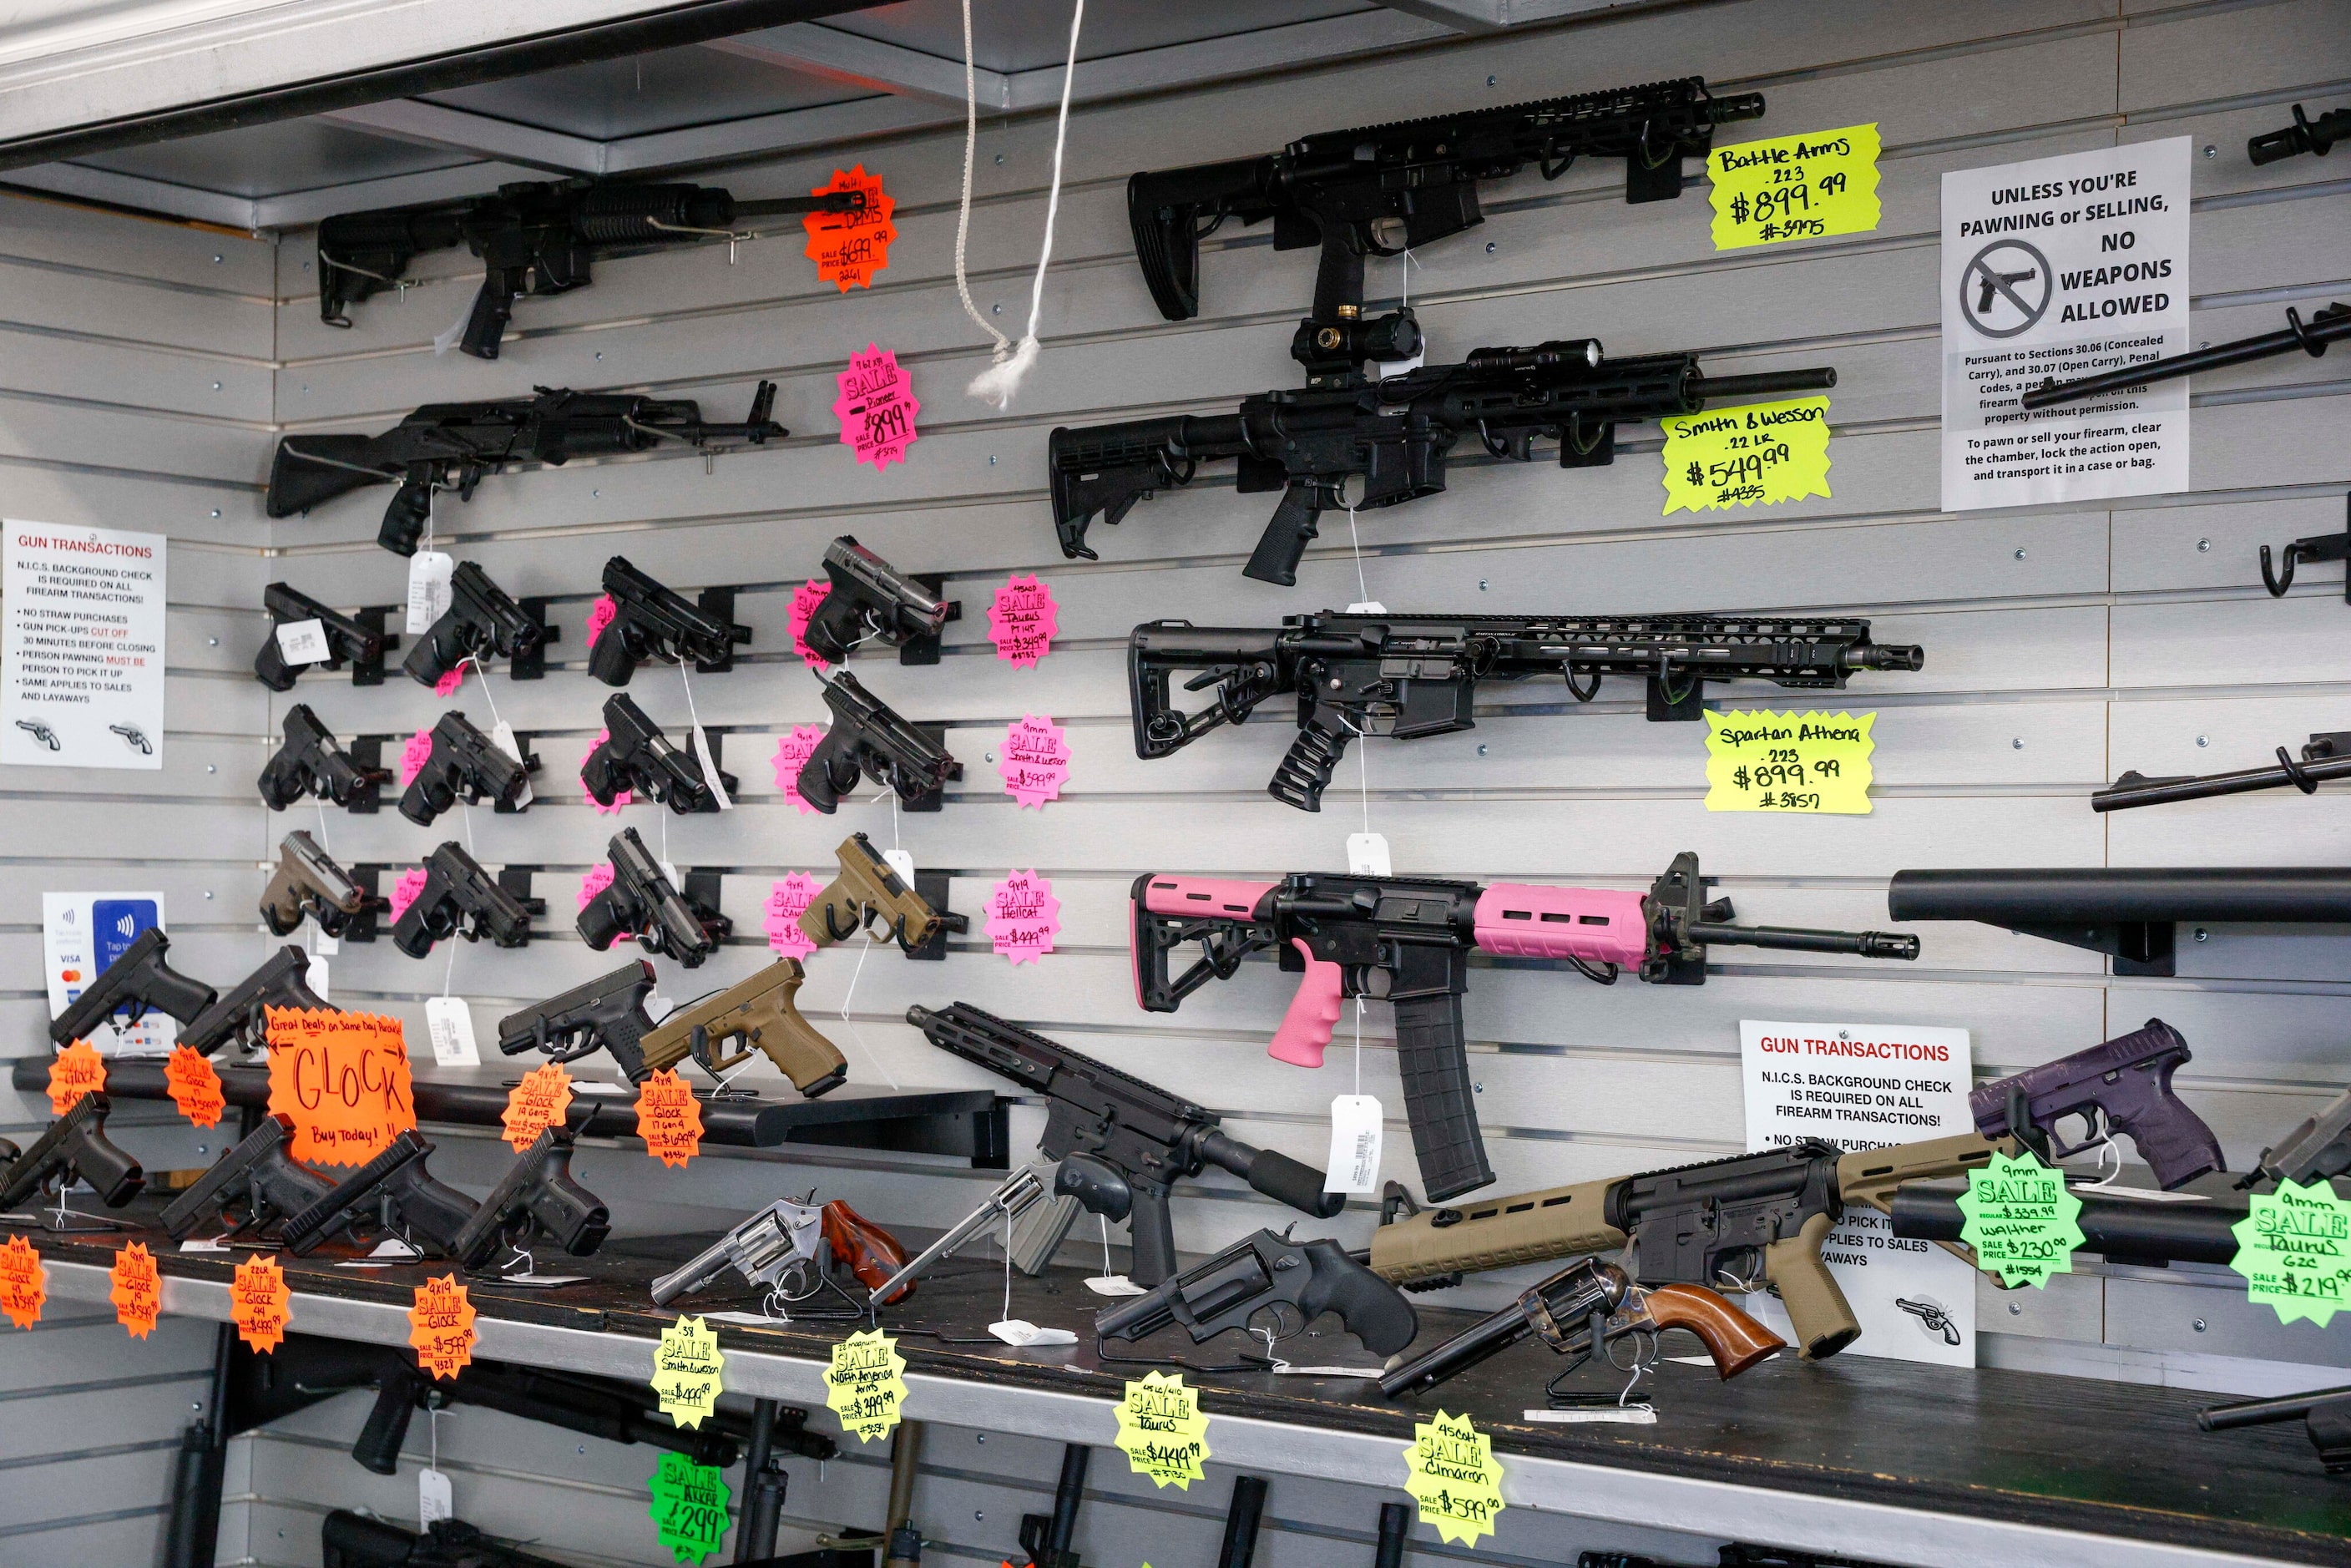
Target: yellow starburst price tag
866	1383
1807	762
2295	1250
1750	454
688	1364
1453	1475
1794	187
1163	1430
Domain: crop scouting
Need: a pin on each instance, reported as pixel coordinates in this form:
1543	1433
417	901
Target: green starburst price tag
866	1383
1453	1475
1163	1431
689	1510
1814	764
2020	1221
1752	454
2295	1250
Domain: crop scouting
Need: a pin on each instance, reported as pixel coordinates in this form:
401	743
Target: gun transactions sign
82	656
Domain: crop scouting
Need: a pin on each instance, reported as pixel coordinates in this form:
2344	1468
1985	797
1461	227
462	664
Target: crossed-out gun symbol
1998	281
1934	1319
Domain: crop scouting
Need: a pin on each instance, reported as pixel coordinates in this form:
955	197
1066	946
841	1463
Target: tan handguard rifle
754	1015
868	894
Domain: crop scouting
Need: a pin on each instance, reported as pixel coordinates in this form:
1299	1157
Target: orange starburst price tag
138	1293
538	1103
669	1118
849	248
259	1303
75	1072
441	1327
194	1086
344	1078
24	1283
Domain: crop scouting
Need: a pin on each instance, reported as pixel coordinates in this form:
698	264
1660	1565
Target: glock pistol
135	983
395	1193
651	621
460	899
866	893
348	641
482	623
310	760
1270	1273
757	1015
283	980
867	738
73	1145
309	882
464	764
536	1196
255	1185
608	1014
871	599
642	904
635	755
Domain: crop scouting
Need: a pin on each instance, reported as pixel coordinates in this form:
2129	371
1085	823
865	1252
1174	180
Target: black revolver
460	899
481	623
75	1144
283	980
348	641
608	1013
137	983
393	1191
311	761
465	764
871	599
641	902
255	1186
536	1196
867	736
651	621
1270	1273
635	755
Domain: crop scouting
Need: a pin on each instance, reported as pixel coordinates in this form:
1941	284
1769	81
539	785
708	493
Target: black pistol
607	1013
536	1196
395	1193
641	902
482	623
1269	1273
635	755
135	983
310	760
255	1185
871	599
651	621
460	899
464	764
868	738
73	1145
348	641
283	980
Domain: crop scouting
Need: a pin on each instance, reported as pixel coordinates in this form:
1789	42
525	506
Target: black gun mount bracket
719	603
2137	946
2310	552
515	881
377	618
366	752
368	878
529	761
699	888
532	666
932	888
932	799
926	650
1686	704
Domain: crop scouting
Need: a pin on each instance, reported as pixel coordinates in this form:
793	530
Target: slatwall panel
134	393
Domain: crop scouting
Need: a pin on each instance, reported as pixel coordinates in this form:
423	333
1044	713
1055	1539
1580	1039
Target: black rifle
1048	1537
348	1540
73	1145
2315	137
283	980
309	882
1394	435
873	601
481	623
1121	1142
2324	1413
1269	1273
2324	758
635	755
460	899
867	736
1405	676
2330	325
139	981
641	902
651	621
311	761
607	1013
464	764
1241	1518
536	1196
536	238
348	640
395	1192
1732	1554
254	1187
1385	189
449	445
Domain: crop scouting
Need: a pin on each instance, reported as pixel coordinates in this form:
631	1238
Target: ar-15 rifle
788	1249
1393	434
1385	189
481	623
871	599
254	1187
1269	1273
137	982
1583	1307
2331	325
348	1540
1121	1142
1407	676
537	1197
535	237
653	621
864	893
348	640
74	1146
464	764
1409	940
607	1013
2315	137
2325	757
283	980
460	899
867	736
447	445
753	1015
308	881
310	760
635	755
395	1192
641	902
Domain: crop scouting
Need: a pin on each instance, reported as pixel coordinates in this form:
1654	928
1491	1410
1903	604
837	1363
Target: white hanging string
963	219
324	842
1363	590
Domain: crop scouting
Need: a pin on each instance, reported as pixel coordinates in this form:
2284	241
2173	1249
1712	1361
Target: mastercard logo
70	975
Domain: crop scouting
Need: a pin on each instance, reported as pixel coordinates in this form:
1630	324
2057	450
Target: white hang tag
1020	1331
316	978
1286	1370
455	332
323	946
589	1086
2141	1194
669	872
428	593
195	1246
1367	855
302	642
1604	1415
393	1249
433	1499
1368	606
1114	1285
710	769
903	862
450	1020
535	1281
502	736
1356	1128
657	1008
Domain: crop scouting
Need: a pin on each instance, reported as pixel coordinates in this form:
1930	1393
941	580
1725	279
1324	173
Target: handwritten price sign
849	248
2295	1250
344	1078
689	1507
1751	455
1794	187
1810	762
2020	1221
1163	1430
1455	1478
1021	621
1023	916
75	1072
441	1327
806	600
194	1086
792	752
866	1384
1036	760
876	407
786	901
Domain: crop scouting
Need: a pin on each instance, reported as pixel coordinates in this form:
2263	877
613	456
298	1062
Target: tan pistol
868	893
754	1015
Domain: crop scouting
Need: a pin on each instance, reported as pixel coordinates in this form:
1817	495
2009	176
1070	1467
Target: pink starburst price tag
792	751
600	614
1023	621
805	600
786	901
1036	760
414	756
619	798
446	686
876	407
405	890
1023	916
598	879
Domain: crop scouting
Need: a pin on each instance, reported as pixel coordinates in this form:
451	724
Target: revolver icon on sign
133	737
41	732
1931	1318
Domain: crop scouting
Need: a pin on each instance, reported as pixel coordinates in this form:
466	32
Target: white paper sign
82	657
315	977
81	933
1367	855
2057	269
1356	1126
428	593
451	1024
434	1499
1862	1086
710	769
302	642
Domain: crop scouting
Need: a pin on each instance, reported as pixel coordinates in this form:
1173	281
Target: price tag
876	407
1367	855
849	248
537	1103
670	873
259	1303
1356	1126
138	1290
2022	1223
406	890
1114	1285
502	736
669	1118
1023	917
903	862
866	1384
1794	187
688	1365
689	1509
441	1327
1022	619
434	1501
24	1283
1452	1474
1808	762
315	976
2295	1250
792	752
450	1021
1369	606
807	598
323	946
344	1079
194	1086
788	900
1753	455
1163	1431
75	1072
428	595
302	642
1036	760
710	770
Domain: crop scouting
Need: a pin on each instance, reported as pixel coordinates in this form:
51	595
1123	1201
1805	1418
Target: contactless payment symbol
2006	288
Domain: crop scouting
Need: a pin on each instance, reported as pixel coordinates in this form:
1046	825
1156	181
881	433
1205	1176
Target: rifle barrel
2123	795
2262	1411
1790	939
1718	389
2330	325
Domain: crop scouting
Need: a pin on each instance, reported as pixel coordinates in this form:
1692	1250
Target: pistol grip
1277	553
1735	1341
1306	1026
872	1253
1822	1318
281	905
812	1063
2174	1142
833	915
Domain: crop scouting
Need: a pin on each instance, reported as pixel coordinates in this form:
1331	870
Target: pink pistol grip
1603	925
1306	1026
